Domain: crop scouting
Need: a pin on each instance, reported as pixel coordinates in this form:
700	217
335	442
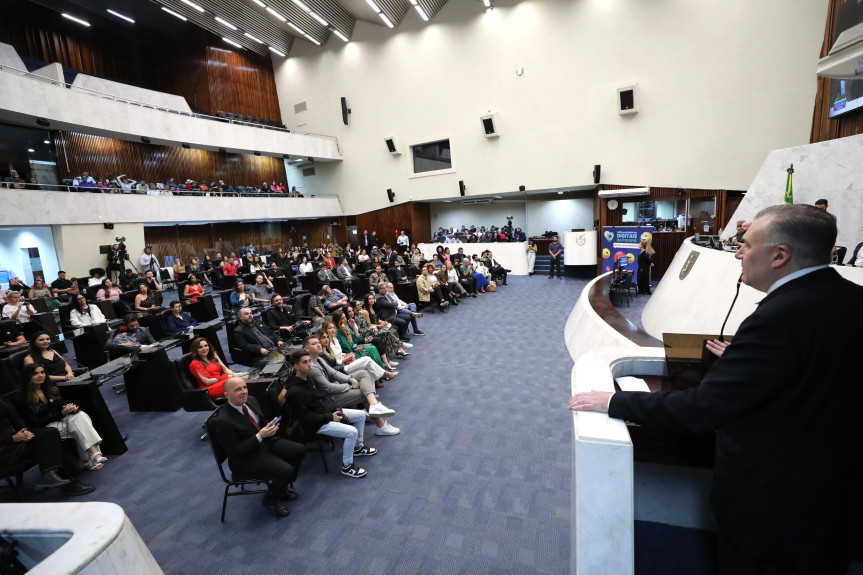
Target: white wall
12	256
721	83
559	216
78	246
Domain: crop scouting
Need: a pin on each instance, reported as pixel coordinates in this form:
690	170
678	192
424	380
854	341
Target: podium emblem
688	264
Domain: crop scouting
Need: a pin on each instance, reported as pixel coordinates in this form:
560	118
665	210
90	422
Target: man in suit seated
494	267
784	398
388	311
253	449
282	320
397	273
325	274
345	272
406	311
254	339
317	413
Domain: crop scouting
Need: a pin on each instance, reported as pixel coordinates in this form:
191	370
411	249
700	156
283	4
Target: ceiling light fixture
374	6
225	23
486	3
421	12
259	3
78	20
172	13
231	42
250	37
310	39
30	150
274	51
276	14
297	28
47	142
386	20
193	5
301	5
320	20
340	35
118	15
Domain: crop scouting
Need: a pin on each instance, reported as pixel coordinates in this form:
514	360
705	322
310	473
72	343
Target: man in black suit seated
282	320
784	398
253	448
389	311
345	271
254	339
41	445
397	273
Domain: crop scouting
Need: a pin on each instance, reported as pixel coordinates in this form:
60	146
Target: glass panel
431	156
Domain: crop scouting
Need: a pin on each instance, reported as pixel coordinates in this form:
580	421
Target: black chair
193	398
301	306
840	255
92	291
313	442
13	475
220	114
165	276
236	480
227	308
65	312
621	285
237	354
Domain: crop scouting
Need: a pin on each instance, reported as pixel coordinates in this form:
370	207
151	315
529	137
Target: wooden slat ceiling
252	18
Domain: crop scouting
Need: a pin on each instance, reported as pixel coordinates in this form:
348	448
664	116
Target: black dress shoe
291	495
78	488
52	479
275	507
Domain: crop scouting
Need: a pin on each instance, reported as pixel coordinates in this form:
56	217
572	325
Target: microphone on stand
737	293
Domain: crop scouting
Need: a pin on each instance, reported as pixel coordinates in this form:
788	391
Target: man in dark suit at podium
785	398
253	448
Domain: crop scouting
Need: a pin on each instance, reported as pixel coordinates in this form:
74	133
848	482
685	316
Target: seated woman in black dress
41	353
145	301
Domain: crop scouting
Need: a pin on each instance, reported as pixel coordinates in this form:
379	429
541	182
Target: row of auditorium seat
243	119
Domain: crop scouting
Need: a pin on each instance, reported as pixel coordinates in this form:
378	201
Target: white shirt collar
793	276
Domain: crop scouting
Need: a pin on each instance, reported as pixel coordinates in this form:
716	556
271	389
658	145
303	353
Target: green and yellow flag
789	194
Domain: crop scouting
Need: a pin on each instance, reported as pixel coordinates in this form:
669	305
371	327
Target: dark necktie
252	419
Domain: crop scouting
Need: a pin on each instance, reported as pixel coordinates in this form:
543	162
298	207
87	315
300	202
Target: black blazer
384	308
785	398
236	435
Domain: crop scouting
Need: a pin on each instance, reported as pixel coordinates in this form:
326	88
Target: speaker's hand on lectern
717	347
590	401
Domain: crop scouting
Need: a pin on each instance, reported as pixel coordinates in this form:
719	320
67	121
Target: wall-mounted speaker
186	145
490	125
461	187
108	226
345	110
627	100
223	151
42	122
521	188
257	153
391	195
392	145
596	171
145	139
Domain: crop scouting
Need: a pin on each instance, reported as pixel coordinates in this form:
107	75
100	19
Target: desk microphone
737	293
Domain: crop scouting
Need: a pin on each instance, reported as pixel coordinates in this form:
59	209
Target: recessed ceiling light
259	3
225	23
374	6
421	13
276	14
47	142
274	51
231	42
295	27
301	5
487	3
30	150
340	35
386	20
78	20
320	20
172	13
118	15
193	5
250	37
560	193
310	39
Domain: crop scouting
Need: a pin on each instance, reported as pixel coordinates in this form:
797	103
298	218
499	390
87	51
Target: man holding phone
253	447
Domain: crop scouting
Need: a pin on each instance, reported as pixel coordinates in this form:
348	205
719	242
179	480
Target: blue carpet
477	482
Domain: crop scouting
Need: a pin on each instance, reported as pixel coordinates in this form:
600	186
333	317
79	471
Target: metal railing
235	191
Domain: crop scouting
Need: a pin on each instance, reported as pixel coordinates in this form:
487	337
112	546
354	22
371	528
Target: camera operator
115	259
148	261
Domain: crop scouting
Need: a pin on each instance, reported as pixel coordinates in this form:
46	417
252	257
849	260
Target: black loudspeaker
108	226
345	110
145	139
461	187
186	145
223	151
391	145
521	188
391	195
42	122
257	153
596	170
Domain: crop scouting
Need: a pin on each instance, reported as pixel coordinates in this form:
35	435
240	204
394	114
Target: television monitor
846	95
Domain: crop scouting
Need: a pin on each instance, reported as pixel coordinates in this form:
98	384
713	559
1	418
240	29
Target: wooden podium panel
152	384
86	395
202	310
89	347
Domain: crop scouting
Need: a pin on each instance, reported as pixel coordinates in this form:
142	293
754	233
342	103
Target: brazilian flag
789	194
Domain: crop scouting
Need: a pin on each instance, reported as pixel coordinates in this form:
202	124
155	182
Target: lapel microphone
737	293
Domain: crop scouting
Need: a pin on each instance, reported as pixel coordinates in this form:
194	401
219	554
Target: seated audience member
96	275
179	268
436	261
274	271
239	297
282	320
495	268
42	354
345	271
306	267
179	320
442	278
40	444
325	274
63	288
427	290
255	338
363	256
737	239
130	336
415	270
207	368
333	299
10	335
467	278
254	449
17	310
260	291
265	188
480	272
152	282
83	314
14	180
127	185
407	311
454	280
363	322
145	300
15	284
398	273
347	345
376	278
229	266
193	290
313	407
317	310
447	294
128	281
387	311
40	404
108	292
40	290
84	180
257	266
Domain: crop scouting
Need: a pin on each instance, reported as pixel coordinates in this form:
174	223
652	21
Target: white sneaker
394	363
381	410
387	429
407	345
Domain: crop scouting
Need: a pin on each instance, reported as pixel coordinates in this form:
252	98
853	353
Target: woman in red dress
193	289
208	369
